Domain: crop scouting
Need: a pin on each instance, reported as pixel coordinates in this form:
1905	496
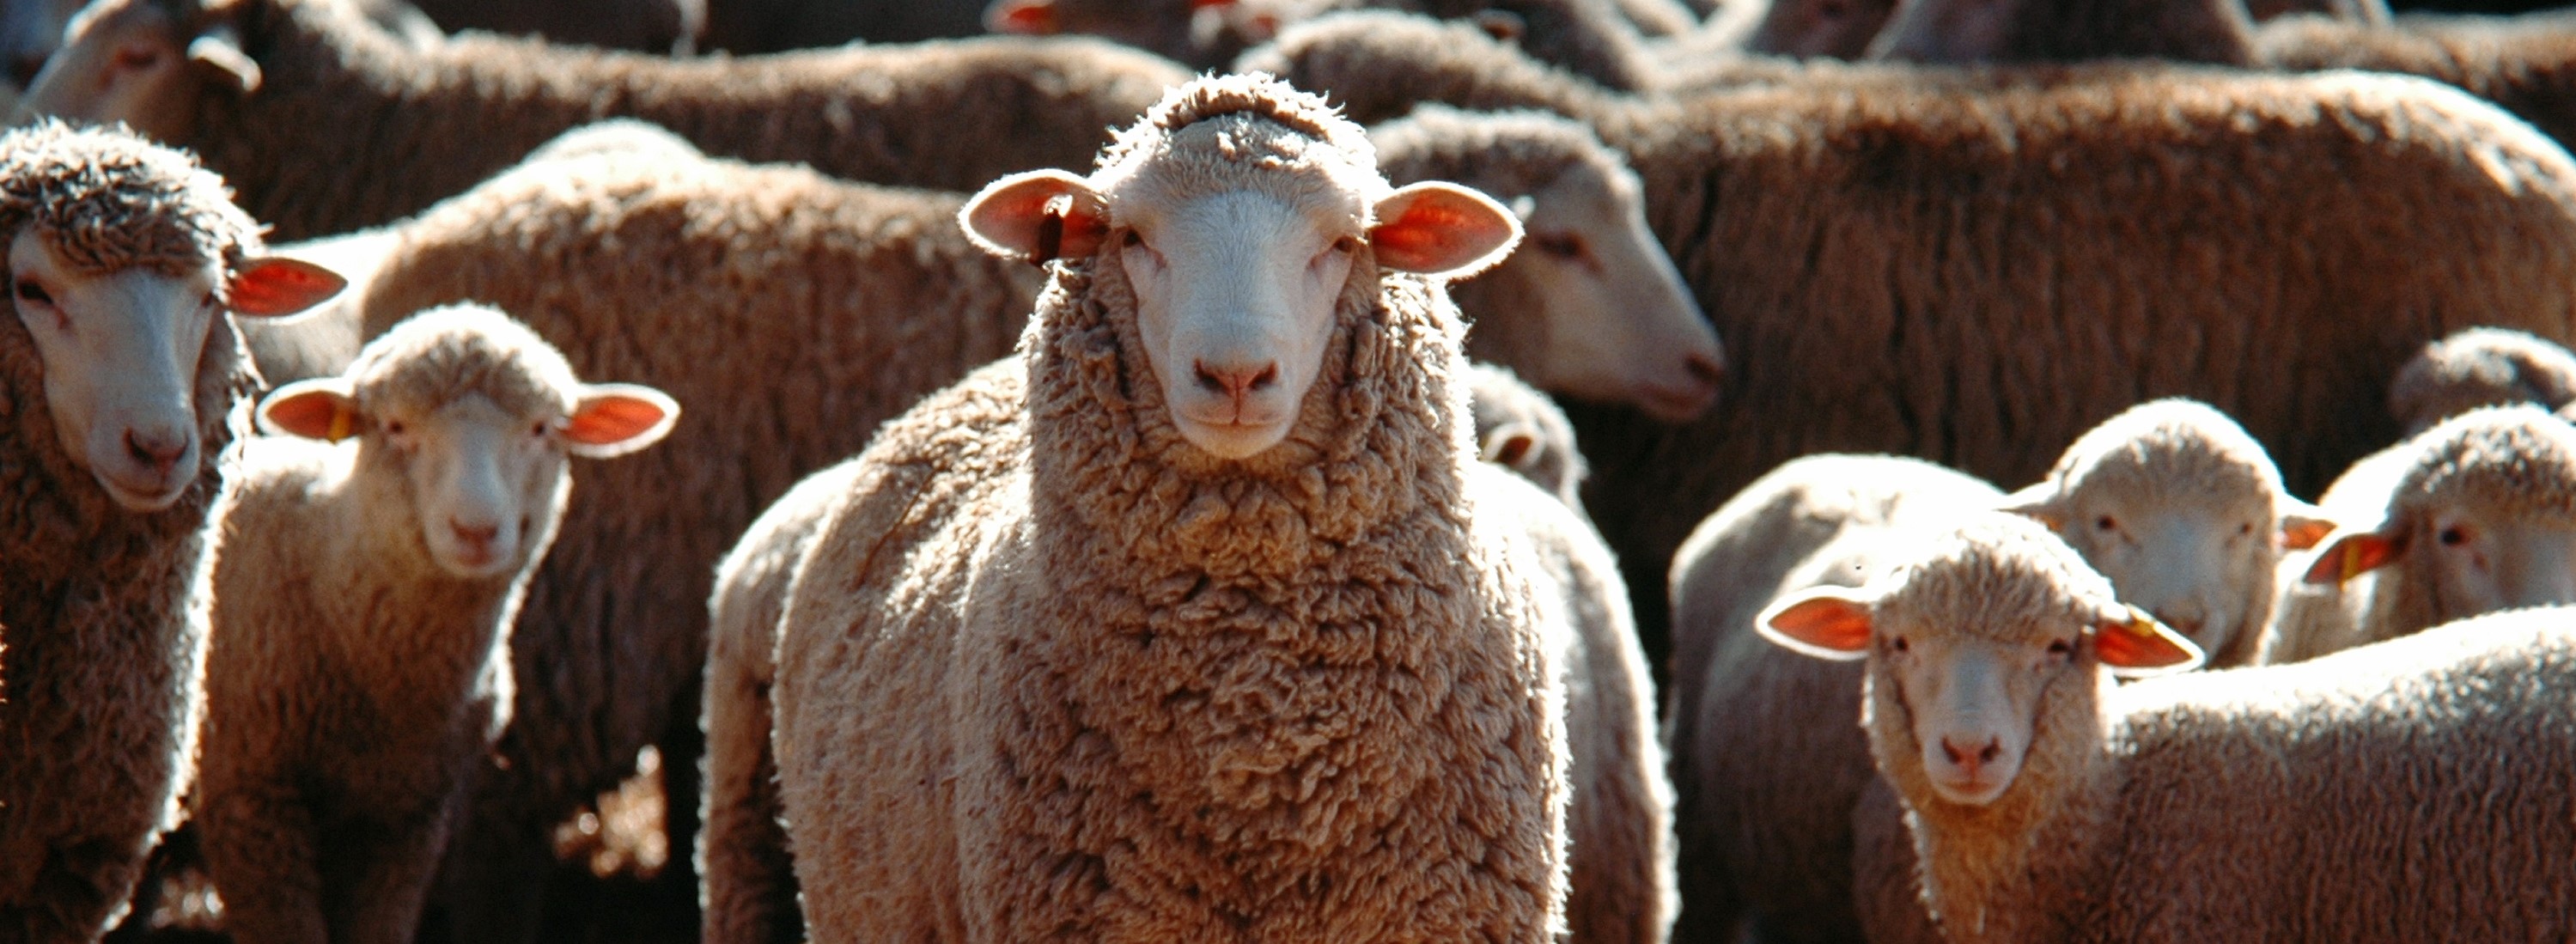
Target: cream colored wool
1520	429
2405	791
1123	690
2480	367
102	611
2525	64
2512	464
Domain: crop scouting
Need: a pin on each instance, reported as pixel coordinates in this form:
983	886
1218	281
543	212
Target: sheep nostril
1707	370
1235	382
156	453
478	535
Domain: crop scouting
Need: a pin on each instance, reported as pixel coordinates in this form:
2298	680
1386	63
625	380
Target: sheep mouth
1676	403
161	494
1971	791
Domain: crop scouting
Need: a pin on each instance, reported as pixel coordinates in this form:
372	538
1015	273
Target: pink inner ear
612	419
2350	557
1027	18
280	286
2122	646
1439	232
1828	623
2302	534
313	414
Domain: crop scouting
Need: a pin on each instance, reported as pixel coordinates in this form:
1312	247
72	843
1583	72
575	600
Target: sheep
1934	216
2170	499
2473	515
2521	63
366	574
2480	367
657	26
2047	804
1520	429
328	94
761	26
120	379
1248	761
1587	253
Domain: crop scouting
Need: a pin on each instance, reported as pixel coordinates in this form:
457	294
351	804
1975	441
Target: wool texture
103	621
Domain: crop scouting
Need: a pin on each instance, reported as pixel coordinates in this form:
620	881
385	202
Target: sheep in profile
1138	628
1590	307
2048	804
2480	367
308	110
360	664
120	383
2473	515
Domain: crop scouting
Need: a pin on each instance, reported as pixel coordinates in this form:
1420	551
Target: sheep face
120	352
464	421
1839	29
1619	324
141	63
2484	520
1968	643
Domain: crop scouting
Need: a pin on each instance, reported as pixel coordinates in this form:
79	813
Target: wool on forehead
104	200
2001	577
441	356
1238	132
2518	457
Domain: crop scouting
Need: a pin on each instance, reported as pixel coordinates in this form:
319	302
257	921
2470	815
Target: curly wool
97	755
2480	367
106	201
453	353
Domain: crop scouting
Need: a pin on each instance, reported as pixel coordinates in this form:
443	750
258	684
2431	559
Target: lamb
120	378
2056	192
328	93
1520	429
2048	804
1588	254
2480	367
1190	782
2170	499
360	665
2474	515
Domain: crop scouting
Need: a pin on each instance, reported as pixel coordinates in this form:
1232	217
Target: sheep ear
1825	622
1037	216
615	419
1510	443
320	408
275	285
2303	525
2132	644
1024	17
2353	555
218	50
1436	228
2038	503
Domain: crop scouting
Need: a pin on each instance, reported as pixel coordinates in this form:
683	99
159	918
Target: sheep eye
2246	528
1900	644
137	58
1133	240
540	429
2060	647
1346	245
2106	523
29	291
2454	536
1560	245
395	428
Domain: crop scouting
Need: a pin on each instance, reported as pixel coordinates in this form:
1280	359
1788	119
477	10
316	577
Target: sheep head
1241	211
1972	641
122	257
475	417
145	63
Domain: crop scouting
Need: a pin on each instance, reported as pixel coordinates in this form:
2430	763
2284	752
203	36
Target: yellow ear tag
2141	624
2351	562
343	422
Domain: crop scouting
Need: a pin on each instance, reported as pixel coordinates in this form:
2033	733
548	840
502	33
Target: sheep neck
2022	868
395	614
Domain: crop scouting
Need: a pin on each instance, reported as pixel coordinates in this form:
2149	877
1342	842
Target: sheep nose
157	451
1236	381
1707	369
1969	761
478	537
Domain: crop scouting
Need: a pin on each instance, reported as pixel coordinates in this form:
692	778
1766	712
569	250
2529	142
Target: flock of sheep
1047	487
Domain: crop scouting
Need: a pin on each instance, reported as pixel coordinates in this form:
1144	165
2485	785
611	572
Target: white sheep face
1976	701
479	478
2196	569
1620	324
120	354
1235	295
2484	562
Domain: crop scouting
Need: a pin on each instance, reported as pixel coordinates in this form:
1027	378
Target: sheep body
453	114
360	661
2525	64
